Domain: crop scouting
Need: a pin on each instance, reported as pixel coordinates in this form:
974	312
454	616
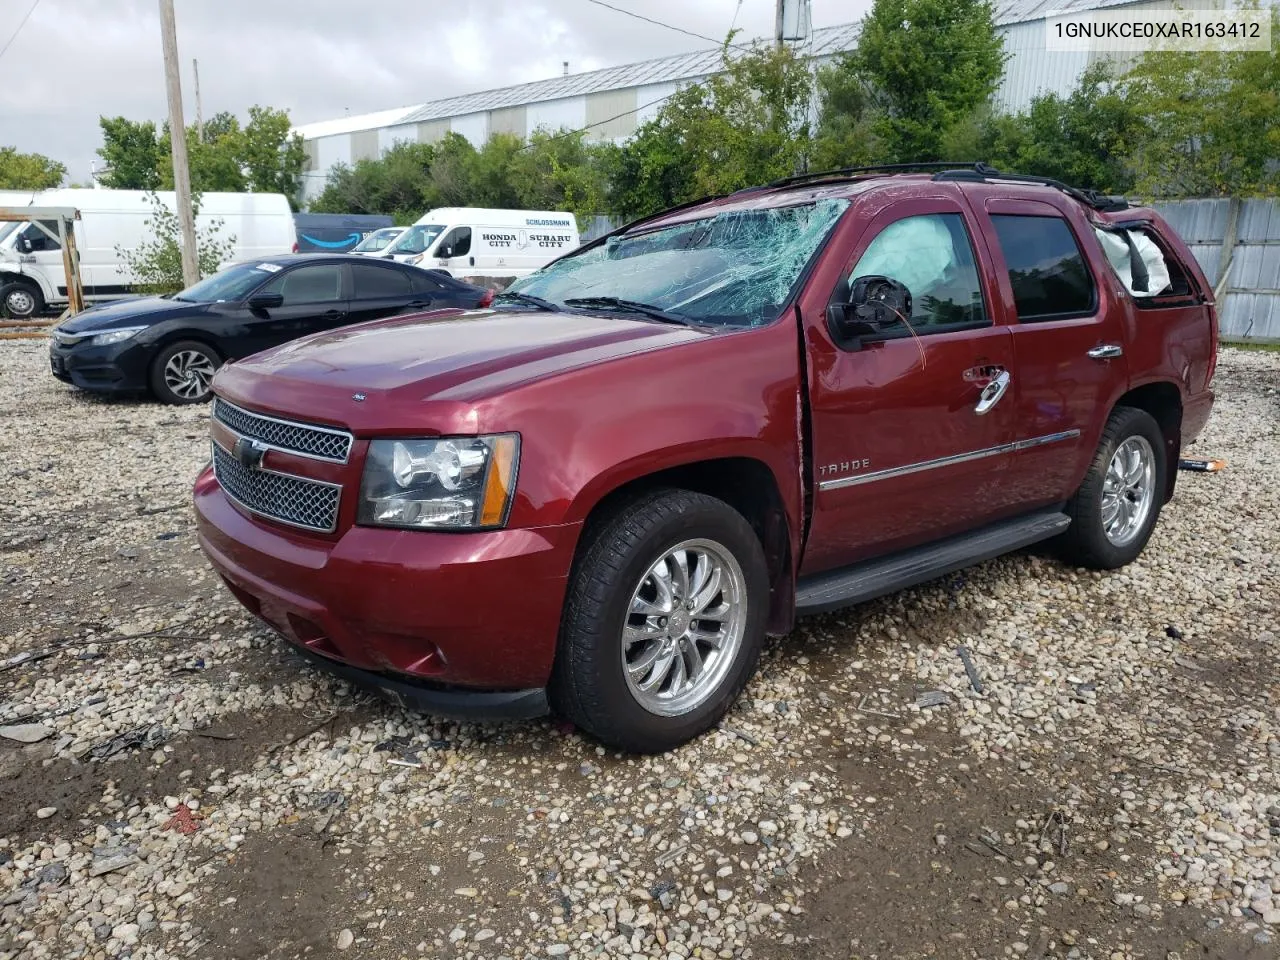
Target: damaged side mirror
876	305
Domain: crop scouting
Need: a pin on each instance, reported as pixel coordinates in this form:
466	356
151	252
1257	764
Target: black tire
589	685
21	299
1086	542
168	391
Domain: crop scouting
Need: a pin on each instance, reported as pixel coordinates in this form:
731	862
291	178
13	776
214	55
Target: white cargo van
497	245
32	277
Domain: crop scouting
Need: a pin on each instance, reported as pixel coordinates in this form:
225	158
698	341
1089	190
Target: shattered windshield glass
736	268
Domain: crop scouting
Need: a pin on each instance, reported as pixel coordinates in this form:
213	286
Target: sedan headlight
115	336
452	483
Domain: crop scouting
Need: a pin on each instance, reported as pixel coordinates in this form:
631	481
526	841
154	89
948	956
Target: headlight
115	336
453	483
417	259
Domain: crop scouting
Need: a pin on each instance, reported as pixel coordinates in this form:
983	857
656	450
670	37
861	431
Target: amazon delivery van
495	247
32	276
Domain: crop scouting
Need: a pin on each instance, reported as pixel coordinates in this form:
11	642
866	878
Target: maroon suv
599	495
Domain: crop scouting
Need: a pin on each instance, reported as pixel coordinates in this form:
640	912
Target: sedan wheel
183	372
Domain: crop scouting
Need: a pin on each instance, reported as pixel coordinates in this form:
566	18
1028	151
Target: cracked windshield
734	269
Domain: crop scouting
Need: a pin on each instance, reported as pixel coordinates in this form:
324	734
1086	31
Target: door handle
1107	351
418	303
992	393
334	314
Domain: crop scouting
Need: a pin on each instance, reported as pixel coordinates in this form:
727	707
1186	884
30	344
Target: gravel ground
194	790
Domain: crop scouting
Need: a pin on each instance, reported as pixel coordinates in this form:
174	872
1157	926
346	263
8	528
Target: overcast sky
77	59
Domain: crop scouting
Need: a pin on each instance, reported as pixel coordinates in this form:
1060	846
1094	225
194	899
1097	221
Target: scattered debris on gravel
1021	760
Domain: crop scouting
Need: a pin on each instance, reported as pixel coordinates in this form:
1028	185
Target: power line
658	23
14	35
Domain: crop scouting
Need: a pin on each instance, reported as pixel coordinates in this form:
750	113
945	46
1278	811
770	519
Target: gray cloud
320	58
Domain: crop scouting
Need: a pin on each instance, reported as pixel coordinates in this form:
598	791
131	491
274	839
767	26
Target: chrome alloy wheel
1128	490
188	373
684	627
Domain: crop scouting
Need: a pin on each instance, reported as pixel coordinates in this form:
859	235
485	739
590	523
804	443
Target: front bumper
461	624
117	368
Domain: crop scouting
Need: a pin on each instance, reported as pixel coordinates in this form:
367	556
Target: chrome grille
301	503
323	443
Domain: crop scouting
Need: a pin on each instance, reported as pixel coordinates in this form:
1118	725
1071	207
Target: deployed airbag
1136	259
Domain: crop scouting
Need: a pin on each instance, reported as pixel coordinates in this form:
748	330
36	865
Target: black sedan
172	345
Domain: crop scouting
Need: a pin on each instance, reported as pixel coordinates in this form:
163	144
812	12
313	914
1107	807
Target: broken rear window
737	268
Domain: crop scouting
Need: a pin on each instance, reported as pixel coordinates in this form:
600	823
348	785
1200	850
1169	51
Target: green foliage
551	172
560	171
925	67
131	152
844	137
261	156
397	185
745	126
29	171
1083	139
156	263
1210	121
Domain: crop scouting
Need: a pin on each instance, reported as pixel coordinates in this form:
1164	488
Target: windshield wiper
634	306
530	299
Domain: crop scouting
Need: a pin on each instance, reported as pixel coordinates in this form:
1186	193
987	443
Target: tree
156	263
261	156
1083	139
1209	124
560	171
131	152
453	171
29	171
927	66
397	184
271	156
844	137
745	126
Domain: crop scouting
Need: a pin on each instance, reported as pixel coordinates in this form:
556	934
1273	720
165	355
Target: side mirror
266	301
876	304
24	244
444	253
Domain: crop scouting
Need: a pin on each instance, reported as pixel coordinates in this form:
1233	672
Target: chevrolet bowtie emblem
249	453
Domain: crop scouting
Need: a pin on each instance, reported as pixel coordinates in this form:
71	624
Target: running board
874	578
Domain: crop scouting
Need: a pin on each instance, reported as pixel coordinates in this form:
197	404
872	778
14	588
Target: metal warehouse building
612	103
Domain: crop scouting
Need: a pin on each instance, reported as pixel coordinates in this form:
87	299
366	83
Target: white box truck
481	245
32	277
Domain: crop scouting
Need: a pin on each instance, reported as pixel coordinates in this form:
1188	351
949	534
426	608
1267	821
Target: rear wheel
181	372
664	622
21	300
1116	508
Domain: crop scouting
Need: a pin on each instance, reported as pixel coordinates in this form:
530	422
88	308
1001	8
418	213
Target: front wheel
1116	508
182	372
663	623
21	300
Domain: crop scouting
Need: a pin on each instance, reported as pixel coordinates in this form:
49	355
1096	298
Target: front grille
292	500
324	443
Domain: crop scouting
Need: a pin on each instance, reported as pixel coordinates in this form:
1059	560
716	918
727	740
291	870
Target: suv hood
452	357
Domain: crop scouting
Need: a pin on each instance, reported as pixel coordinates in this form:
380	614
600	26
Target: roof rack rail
983	173
843	172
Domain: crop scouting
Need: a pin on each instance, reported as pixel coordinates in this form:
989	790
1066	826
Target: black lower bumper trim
454	704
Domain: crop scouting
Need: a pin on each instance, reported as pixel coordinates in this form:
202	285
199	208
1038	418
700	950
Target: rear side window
424	282
375	283
1050	278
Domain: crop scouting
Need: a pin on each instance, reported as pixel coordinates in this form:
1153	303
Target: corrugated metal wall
1245	234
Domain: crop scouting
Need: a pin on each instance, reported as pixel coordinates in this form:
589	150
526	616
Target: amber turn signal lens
500	484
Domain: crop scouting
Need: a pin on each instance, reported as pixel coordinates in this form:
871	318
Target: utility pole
195	69
178	142
778	23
